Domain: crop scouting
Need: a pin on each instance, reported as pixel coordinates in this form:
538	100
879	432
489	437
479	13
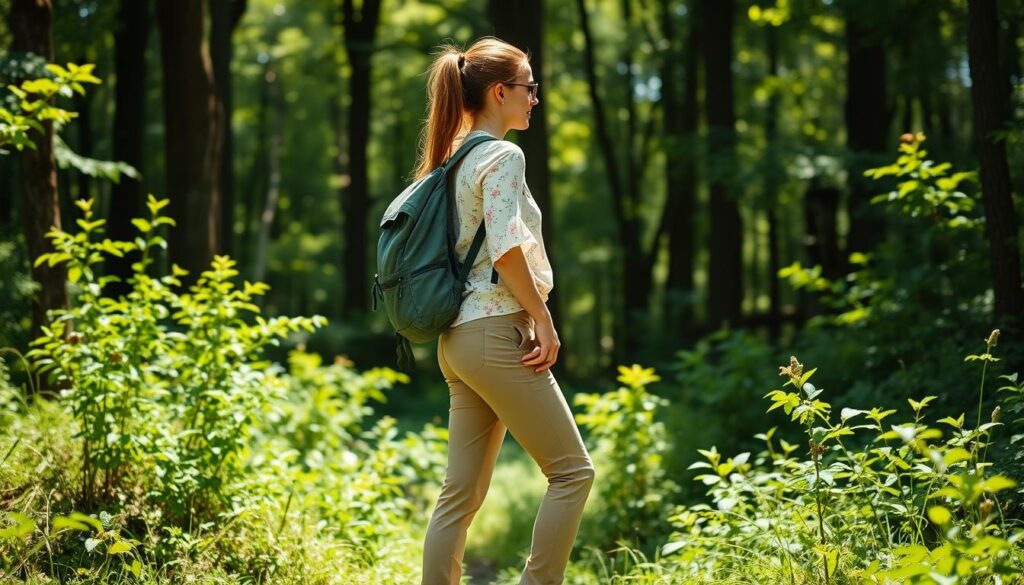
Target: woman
496	357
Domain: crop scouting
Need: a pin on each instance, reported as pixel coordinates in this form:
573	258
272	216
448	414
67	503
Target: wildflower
794	371
637	376
817	449
993	338
907	137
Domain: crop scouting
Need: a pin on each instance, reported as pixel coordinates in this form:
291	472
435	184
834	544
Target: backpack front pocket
428	299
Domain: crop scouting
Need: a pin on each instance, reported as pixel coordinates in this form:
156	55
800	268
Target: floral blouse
490	186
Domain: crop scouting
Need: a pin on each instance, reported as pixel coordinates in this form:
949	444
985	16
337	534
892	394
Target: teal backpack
419	279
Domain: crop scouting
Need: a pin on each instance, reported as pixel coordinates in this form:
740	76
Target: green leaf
23	526
142	225
939	515
997	483
119	547
956	455
848	413
62	522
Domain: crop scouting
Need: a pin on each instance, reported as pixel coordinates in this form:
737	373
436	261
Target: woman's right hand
546	353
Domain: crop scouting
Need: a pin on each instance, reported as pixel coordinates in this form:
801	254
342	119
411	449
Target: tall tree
774	174
680	118
31	24
638	259
521	23
988	94
360	33
867	116
725	274
224	18
130	41
191	128
275	100
8	174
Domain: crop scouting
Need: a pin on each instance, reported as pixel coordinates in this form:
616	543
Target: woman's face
520	98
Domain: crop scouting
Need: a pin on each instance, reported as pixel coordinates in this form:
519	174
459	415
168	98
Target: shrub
630	447
907	506
163	385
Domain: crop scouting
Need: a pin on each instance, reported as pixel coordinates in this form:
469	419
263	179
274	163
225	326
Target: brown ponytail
456	85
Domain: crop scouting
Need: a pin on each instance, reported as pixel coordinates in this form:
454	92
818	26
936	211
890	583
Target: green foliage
16	290
365	482
34	103
928	277
164	385
109	170
720	372
907	506
1013	409
630	450
927	188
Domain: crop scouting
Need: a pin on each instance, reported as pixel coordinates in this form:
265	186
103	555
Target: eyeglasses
532	88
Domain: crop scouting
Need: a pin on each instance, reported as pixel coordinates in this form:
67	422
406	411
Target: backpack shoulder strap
478	239
464	149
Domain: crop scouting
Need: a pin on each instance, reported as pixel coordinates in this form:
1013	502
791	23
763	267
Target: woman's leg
474	439
533	408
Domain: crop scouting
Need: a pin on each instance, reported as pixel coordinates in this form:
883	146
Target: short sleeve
502	191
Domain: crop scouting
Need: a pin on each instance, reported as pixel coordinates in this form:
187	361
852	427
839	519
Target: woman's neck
489	124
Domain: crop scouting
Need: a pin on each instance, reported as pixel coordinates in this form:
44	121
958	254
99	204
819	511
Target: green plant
905	505
34	103
164	385
630	447
318	455
926	188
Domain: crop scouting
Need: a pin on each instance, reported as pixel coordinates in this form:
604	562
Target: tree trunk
680	166
191	135
636	261
224	18
254	188
360	33
521	22
774	175
820	207
867	124
8	175
277	106
988	94
31	24
130	42
725	275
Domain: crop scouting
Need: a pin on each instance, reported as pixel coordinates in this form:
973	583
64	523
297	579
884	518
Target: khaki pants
490	391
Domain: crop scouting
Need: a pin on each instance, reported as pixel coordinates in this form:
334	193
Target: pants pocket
523	335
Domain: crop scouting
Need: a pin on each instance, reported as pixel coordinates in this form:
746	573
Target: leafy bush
907	506
364	483
630	449
163	385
